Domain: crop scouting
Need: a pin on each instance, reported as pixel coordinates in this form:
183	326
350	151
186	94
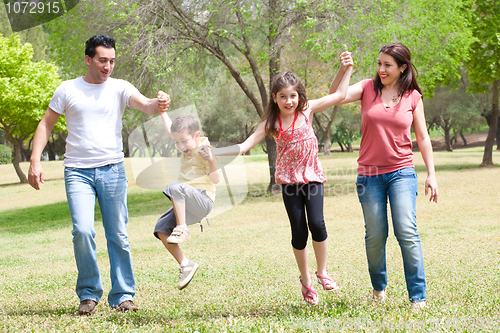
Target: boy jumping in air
192	195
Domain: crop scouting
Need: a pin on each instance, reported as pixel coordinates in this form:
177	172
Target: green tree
435	31
25	92
347	127
484	64
454	109
247	37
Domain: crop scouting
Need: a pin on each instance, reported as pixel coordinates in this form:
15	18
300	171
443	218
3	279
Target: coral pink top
386	138
297	161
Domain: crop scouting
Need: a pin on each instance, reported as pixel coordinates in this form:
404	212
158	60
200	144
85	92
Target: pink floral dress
297	161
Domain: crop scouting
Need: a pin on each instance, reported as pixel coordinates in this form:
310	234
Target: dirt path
473	140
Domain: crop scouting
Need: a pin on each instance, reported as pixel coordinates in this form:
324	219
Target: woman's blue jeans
401	189
109	185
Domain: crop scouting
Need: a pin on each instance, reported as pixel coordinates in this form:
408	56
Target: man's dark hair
100	40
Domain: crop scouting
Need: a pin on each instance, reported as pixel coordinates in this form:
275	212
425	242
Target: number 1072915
31	7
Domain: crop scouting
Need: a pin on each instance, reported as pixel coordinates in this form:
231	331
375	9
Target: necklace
395	98
280	134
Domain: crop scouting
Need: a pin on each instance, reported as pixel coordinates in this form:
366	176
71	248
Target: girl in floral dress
288	119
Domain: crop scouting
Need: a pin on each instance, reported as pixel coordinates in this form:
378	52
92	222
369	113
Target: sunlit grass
248	280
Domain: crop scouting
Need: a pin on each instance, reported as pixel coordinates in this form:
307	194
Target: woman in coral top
390	104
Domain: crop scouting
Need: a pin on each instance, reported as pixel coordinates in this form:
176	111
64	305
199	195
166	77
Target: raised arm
150	105
335	98
35	172
425	146
345	61
246	145
167	123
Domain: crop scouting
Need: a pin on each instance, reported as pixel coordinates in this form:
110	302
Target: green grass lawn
248	279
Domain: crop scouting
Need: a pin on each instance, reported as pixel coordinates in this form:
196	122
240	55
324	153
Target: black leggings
301	198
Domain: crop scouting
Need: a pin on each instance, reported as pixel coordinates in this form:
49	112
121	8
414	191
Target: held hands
431	185
346	60
163	101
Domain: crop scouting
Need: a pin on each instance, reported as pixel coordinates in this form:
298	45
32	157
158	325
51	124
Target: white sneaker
186	274
179	235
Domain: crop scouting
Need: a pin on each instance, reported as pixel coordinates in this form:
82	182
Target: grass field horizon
248	279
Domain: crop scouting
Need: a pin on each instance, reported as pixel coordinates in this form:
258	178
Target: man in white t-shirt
94	106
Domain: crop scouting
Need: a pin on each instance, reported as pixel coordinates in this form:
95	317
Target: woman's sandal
309	295
327	282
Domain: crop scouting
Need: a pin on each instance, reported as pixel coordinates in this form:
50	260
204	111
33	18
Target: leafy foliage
5	154
454	110
484	63
436	32
347	127
25	92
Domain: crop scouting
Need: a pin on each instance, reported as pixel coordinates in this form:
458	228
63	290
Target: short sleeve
367	84
128	90
59	101
415	98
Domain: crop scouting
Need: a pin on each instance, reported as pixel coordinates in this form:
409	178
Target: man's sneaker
179	235
87	306
127	306
186	274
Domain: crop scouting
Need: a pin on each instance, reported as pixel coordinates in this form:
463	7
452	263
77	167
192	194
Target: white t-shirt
93	120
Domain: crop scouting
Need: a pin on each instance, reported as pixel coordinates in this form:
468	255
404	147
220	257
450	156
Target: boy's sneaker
179	235
186	274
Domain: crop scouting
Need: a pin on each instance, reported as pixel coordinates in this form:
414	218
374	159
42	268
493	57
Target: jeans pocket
361	184
407	172
118	167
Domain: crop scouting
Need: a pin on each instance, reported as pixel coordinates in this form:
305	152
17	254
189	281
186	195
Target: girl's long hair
408	79
281	81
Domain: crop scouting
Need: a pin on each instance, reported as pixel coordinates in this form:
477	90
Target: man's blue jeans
401	189
109	185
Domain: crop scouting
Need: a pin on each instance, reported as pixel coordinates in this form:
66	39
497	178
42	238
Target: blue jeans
401	188
109	185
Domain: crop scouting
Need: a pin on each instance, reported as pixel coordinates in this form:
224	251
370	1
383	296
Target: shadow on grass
34	219
282	313
38	218
69	310
286	314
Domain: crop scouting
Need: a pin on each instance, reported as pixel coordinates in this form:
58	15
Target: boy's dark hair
100	40
185	123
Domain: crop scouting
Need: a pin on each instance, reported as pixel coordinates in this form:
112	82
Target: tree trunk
326	130
498	133
447	138
328	144
17	144
341	146
16	160
349	147
463	139
274	68
490	140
